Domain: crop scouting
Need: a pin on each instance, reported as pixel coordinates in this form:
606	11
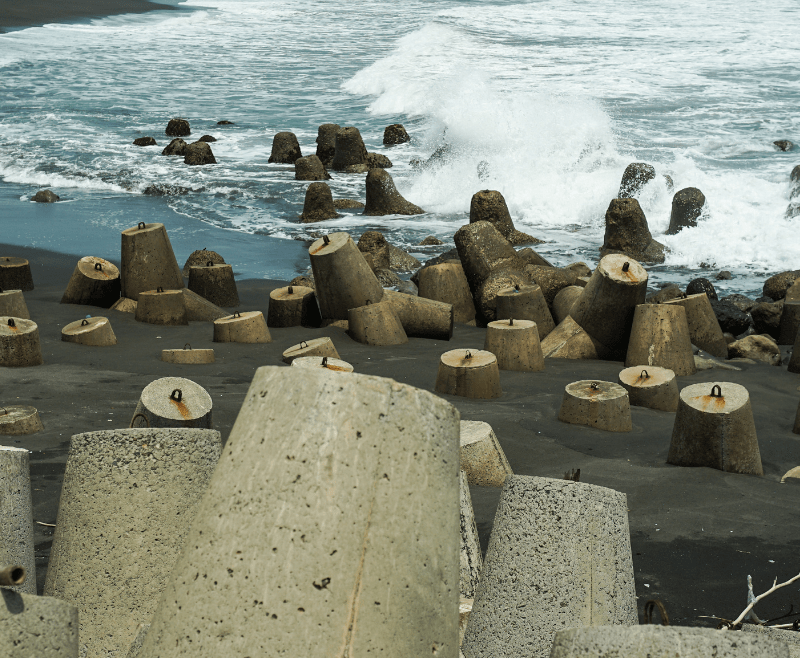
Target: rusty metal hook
159	289
210	263
236	315
302	342
326	239
516	287
649	609
98	266
187	345
5	412
178	397
146	419
645	373
141	226
626	266
718	394
510	322
594	386
84	322
291	290
11	322
468	355
324	361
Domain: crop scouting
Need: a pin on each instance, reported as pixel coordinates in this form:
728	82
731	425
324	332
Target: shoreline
35	13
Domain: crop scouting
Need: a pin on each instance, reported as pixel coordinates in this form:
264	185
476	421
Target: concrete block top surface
15	326
622	269
156	226
715	397
328	244
176	398
473	431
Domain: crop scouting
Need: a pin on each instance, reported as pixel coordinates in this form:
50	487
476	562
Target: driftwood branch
756	599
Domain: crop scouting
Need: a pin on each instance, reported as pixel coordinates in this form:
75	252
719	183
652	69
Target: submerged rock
144	141
178	128
347	204
175	147
201	258
430	241
401	261
285	148
636	176
696	286
767	318
724	275
199	153
326	142
165	189
310	168
45	196
627	233
318	204
730	318
743	303
383	197
666	294
687	204
207	138
395	134
378	160
225	123
776	286
784	145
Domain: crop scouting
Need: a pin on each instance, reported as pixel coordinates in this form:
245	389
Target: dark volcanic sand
29	13
695	532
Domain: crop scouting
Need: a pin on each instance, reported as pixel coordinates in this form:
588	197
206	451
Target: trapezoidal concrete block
215	283
188	356
16	514
569	341
482	458
516	345
563	301
559	556
125	305
175	402
341	569
376	324
651	387
704	329
12	304
199	309
421	317
446	282
148	262
128	499
164	307
471	559
37	626
15	274
325	362
714	427
602	405
469	374
794	360
660	337
293	306
315	347
18	420
790	323
247	327
94	282
525	303
94	332
19	343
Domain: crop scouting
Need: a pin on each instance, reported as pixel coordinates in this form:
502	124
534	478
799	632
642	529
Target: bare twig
47	525
756	599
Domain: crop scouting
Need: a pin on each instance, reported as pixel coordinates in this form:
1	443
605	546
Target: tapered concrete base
175	402
469	374
515	343
166	307
602	405
37	626
660	337
704	329
12	304
525	303
19	343
324	362
247	327
16	515
94	332
651	387
471	560
315	347
293	306
18	420
95	282
482	458
15	274
188	356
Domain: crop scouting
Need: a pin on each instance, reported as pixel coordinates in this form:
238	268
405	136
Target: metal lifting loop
291	290
11	322
210	264
511	322
718	394
468	355
98	267
5	412
159	289
176	395
625	266
146	420
326	239
644	374
187	346
594	386
84	322
303	344
141	226
324	361
516	287
237	314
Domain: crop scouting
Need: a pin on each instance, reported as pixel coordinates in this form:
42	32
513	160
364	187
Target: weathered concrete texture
329	363
375	244
794	360
651	387
19	343
318	204
17	420
563	302
148	261
490	206
789	323
447	283
187	356
199	309
16	514
165	307
125	305
420	317
293	306
687	205
285	148
569	341
376	324
516	345
136	647
559	556
654	641
469	374
310	168
326	142
635	177
201	257
12	304
471	559
395	134
788	637
704	329
314	347
383	197
758	348
660	337
602	405
15	274
175	402
627	233
37	626
127	502
214	283
482	458
95	282
94	332
350	154
525	303
714	427
312	553
247	327
552	279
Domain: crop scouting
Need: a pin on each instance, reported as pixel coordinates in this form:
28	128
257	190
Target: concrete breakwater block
796	426
602	405
421	317
471	559
175	402
215	283
464	611
128	499
293	306
605	308
788	637
343	278
516	345
96	332
199	309
525	303
704	329
569	341
125	305
342	569
19	343
790	323
564	300
315	347
446	282
326	362
12	304
188	356
247	327
94	282
469	374
16	514
794	360
651	387
38	626
15	274
652	641
136	645
714	427
18	420
164	307
559	556
148	262
482	458
376	324
660	337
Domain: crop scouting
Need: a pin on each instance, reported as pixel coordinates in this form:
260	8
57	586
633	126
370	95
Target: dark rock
792	210
351	154
306	282
729	337
378	160
668	182
144	141
285	149
699	285
395	134
199	153
767	318
744	304
636	176
207	138
408	287
347	204
667	293
730	318
178	128
795	175
551	280
627	233
382	196
375	244
310	168
687	204
532	258
429	241
784	145
45	196
225	123
318	204
725	275
776	286
449	255
175	147
326	142
490	206
401	261
165	189
200	258
758	348
387	278
580	268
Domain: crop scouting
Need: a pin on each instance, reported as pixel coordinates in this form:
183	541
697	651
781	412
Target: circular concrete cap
147	227
12	261
706	397
613	265
317	362
17	420
335	241
20	326
314	347
793	473
188	356
158	398
298	292
88	267
240	317
599	391
512	325
78	327
645	376
463	358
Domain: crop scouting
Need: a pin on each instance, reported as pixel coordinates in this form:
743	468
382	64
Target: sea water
555	97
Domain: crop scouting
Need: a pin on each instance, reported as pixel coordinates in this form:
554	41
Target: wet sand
30	13
696	533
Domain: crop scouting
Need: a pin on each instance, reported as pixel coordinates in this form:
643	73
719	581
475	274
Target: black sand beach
696	533
31	13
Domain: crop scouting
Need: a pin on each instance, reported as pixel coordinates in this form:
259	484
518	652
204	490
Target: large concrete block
329	529
482	458
471	558
16	514
788	637
37	627
148	262
127	501
559	557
